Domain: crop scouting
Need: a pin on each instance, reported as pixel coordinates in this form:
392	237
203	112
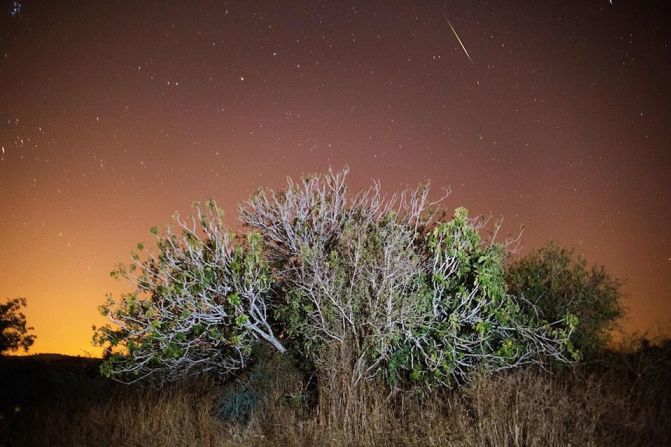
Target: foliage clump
199	304
395	291
14	330
474	322
556	281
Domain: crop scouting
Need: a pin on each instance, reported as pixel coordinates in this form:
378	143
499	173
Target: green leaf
234	299
241	319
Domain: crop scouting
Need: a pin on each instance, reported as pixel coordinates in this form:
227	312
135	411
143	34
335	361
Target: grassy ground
622	399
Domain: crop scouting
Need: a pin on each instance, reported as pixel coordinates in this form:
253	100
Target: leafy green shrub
199	304
376	284
406	297
473	323
558	282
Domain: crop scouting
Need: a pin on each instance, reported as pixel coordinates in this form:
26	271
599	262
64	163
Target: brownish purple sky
115	114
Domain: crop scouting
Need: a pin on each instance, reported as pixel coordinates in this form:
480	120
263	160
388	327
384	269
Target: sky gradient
115	114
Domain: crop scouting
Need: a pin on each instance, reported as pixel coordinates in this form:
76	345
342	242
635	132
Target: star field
113	115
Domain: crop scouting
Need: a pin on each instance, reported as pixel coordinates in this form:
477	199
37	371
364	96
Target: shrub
558	282
199	304
405	297
376	284
473	322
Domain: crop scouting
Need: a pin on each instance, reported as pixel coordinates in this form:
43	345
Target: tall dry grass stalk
348	410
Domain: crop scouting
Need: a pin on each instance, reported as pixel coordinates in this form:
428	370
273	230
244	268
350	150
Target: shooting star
458	39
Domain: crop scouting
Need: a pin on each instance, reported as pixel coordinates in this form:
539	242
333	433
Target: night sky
555	115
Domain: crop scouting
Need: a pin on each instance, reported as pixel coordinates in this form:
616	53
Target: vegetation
199	304
333	319
373	284
391	291
622	400
14	330
557	282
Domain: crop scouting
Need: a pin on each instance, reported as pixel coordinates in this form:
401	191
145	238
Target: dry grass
623	400
131	417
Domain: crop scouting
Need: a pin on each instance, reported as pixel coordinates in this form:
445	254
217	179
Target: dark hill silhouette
31	379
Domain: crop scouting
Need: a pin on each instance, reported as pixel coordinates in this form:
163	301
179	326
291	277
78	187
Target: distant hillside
34	378
47	356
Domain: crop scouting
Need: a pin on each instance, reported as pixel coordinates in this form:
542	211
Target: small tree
199	304
14	332
558	282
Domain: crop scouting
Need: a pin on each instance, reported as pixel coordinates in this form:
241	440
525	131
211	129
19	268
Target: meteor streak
458	39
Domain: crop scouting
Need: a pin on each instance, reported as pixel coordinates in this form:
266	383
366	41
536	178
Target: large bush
557	282
375	286
403	295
